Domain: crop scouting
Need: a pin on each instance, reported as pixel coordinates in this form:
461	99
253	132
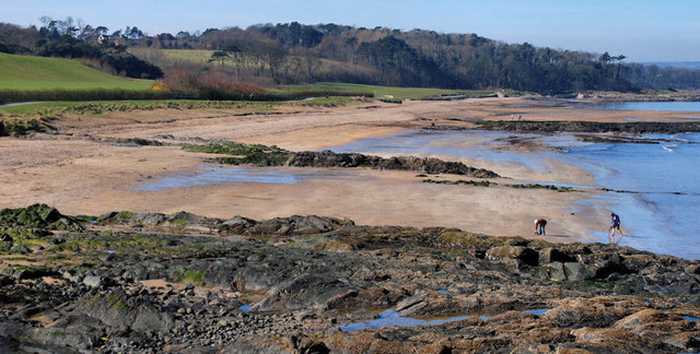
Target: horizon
650	32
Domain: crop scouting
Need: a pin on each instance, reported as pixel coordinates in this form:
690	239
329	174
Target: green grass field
381	91
190	55
31	73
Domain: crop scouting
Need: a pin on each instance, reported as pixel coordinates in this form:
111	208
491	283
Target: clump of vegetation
20	239
22	127
193	277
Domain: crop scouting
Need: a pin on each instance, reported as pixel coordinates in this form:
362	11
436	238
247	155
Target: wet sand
80	176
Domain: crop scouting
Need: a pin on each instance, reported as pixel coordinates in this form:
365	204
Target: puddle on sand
217	175
391	318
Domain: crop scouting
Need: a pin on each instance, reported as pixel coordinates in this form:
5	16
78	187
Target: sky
643	30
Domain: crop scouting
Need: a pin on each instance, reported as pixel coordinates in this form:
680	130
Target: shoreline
83	176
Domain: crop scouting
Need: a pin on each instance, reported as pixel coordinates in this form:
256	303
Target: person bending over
540	226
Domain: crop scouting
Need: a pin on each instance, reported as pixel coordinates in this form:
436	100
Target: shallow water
217	175
483	146
391	318
652	106
655	218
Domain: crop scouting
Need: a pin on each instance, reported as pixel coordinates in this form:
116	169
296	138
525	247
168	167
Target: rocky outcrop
402	163
591	127
153	283
238	225
261	155
39	216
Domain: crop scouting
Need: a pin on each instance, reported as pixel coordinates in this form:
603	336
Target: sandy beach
79	174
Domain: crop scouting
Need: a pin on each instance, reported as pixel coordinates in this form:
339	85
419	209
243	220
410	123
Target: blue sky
644	30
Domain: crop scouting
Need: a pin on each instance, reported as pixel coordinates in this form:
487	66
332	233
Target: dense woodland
295	53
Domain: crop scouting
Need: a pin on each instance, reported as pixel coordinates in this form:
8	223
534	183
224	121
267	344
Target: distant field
166	57
190	55
31	73
379	91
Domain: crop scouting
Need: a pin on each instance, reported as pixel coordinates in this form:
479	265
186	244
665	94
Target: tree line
295	53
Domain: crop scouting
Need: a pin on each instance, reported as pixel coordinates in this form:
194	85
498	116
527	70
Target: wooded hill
294	53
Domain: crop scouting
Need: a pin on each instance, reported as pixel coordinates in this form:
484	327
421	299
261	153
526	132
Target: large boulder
521	254
237	225
309	291
569	271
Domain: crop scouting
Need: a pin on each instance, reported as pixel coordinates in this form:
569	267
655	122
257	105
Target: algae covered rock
39	216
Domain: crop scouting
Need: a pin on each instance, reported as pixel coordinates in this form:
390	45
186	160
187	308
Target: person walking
540	227
615	229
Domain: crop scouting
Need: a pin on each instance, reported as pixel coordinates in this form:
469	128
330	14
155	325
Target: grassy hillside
30	73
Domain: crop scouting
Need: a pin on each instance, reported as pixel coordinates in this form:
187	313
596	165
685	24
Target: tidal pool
391	318
216	175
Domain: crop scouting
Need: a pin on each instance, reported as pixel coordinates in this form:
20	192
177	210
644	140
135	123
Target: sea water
659	216
652	106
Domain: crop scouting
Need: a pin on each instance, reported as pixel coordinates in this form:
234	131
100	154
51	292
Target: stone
92	281
577	272
74	278
556	271
237	224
